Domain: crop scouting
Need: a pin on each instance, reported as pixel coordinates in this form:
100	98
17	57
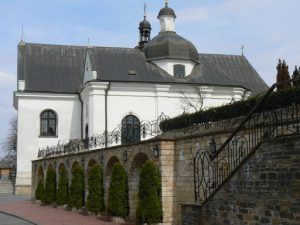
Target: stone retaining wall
265	190
175	162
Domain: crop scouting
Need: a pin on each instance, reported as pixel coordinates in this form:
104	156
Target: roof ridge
44	44
78	46
119	48
218	54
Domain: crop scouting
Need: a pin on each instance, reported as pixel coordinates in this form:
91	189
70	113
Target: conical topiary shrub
118	192
76	189
149	207
62	190
95	200
50	186
39	190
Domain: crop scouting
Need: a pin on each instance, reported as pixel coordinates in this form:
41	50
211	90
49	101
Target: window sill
46	136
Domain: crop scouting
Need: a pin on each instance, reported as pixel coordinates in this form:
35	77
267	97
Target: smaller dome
145	24
166	11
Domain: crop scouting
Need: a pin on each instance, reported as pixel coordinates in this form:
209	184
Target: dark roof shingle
60	68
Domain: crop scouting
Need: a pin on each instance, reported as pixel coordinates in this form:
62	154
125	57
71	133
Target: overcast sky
269	29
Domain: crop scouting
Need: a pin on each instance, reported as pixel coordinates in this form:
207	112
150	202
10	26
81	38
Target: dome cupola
169	45
168	50
167	18
166	11
145	30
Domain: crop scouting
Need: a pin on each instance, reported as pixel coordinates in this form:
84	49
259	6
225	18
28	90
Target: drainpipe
81	124
106	93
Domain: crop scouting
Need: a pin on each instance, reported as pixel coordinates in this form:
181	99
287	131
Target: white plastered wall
168	65
93	97
29	106
146	101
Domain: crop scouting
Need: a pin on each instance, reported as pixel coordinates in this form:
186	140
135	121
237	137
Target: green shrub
118	192
282	98
95	200
50	186
62	191
39	190
149	207
76	194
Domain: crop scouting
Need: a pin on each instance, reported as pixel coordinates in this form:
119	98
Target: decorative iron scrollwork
211	170
147	129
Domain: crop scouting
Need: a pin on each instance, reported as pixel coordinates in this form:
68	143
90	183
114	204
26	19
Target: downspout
106	93
81	124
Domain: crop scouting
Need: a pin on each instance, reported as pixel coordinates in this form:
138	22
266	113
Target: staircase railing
213	168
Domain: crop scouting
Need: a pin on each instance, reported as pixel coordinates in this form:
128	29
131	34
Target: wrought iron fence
147	129
213	167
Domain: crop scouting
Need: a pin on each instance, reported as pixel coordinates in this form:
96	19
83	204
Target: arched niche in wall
133	182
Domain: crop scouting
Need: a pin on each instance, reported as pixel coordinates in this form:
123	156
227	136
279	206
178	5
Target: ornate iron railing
147	129
213	167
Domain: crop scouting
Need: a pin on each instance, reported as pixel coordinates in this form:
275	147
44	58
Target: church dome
145	24
166	11
169	45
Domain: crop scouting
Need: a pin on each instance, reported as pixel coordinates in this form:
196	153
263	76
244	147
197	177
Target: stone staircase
6	187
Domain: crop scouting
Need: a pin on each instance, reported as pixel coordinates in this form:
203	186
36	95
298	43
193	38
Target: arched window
48	123
179	71
130	130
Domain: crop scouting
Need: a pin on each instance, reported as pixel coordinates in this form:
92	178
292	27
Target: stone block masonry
265	190
137	155
270	177
175	162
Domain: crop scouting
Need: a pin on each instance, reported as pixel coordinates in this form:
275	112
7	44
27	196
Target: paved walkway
23	207
6	219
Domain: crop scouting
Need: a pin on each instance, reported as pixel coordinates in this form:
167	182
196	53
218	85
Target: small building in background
5	170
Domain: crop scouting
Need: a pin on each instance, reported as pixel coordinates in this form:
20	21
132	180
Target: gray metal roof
55	68
115	64
4	165
166	11
169	45
232	70
60	68
144	24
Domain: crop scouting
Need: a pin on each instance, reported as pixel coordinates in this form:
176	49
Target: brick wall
265	190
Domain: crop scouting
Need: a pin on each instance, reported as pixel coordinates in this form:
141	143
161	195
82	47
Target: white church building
108	94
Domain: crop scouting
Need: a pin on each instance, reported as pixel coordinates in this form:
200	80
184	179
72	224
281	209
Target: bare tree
192	102
8	146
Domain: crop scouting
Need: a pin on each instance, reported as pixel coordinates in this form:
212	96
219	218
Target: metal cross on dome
242	48
145	9
166	2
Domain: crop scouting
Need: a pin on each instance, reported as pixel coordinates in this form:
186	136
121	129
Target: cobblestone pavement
23	207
